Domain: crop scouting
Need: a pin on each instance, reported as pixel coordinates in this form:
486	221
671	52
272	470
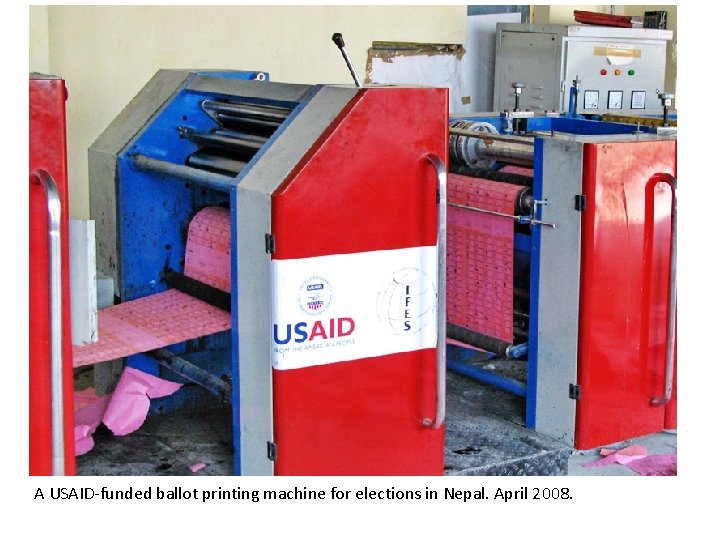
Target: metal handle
54	205
340	42
440	365
672	293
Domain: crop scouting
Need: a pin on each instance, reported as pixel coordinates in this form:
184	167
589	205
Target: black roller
524	202
198	289
476	339
234	142
246	110
215	163
254	125
193	373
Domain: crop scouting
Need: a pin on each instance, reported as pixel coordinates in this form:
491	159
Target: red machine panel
48	153
351	405
625	273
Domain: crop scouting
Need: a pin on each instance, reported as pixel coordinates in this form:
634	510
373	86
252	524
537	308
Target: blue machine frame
154	201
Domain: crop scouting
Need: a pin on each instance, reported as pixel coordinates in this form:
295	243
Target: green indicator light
631	72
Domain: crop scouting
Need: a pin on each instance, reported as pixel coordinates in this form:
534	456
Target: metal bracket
272	451
574	391
580	203
533	220
269	243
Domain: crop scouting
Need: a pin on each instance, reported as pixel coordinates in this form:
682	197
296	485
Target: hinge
574	391
580	203
272	451
269	243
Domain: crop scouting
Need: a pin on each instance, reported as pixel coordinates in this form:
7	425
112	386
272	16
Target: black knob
338	40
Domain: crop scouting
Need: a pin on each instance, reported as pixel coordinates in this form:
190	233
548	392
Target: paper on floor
123	411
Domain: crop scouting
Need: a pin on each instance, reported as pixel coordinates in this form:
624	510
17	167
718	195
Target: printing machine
338	208
334	362
594	270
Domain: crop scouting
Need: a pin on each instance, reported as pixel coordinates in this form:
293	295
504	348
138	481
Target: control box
621	70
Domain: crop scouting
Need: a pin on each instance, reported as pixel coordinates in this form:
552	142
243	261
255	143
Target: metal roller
215	163
254	125
239	143
266	112
479	145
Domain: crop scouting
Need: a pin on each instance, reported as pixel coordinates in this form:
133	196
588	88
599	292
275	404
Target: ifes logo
409	301
314	297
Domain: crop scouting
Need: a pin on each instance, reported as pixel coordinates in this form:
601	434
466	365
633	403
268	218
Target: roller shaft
216	163
261	112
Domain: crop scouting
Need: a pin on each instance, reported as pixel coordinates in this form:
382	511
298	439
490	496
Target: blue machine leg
456	361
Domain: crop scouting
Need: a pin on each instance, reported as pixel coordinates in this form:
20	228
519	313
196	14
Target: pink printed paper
515	169
130	401
150	323
171	316
207	254
480	256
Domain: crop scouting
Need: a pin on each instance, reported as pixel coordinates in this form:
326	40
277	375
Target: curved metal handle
672	293
441	175
54	207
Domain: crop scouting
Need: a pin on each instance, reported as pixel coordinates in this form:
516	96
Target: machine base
486	433
485	436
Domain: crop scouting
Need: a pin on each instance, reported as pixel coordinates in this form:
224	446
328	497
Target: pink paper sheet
89	410
207	254
197	467
130	401
171	316
123	411
658	465
480	256
150	323
635	457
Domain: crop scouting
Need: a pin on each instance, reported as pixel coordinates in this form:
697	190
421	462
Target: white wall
39	48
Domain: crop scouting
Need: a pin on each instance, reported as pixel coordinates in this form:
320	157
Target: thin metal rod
672	296
441	364
182	172
483	211
340	42
528	220
193	373
54	207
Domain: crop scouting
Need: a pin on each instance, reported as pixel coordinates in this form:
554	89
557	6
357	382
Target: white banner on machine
344	307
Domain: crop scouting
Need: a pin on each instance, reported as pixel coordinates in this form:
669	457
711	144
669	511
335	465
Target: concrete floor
485	436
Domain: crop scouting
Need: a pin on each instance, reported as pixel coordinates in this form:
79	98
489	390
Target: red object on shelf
48	153
602	19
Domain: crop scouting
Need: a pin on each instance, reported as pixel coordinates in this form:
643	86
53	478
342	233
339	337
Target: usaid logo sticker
408	302
315	295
